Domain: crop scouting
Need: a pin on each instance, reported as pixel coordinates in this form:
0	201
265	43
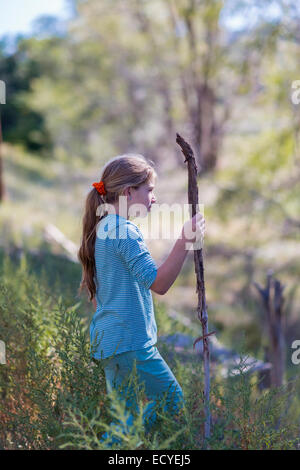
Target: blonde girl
119	274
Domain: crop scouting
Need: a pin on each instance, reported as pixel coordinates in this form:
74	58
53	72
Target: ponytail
91	218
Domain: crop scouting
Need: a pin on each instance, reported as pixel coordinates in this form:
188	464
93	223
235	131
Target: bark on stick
199	270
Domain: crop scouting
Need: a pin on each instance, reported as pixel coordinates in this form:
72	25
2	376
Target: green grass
54	397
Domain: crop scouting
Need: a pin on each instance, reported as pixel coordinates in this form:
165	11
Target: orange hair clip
100	188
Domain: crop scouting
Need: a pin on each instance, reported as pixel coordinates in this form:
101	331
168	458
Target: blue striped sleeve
133	250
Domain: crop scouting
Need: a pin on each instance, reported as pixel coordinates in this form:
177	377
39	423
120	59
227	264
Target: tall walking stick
200	289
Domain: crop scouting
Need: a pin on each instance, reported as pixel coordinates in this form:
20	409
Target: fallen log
226	358
52	233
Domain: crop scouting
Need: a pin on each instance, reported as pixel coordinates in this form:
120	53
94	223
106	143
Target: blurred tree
127	74
140	70
21	124
267	178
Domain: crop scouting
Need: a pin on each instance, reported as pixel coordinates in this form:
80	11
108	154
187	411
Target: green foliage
165	324
118	70
248	420
48	365
21	123
54	397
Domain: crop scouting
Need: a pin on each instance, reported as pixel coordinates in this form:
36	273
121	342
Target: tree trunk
273	302
205	130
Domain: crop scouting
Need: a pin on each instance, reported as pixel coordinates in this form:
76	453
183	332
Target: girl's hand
193	230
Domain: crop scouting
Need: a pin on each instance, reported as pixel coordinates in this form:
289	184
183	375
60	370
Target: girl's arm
169	270
94	303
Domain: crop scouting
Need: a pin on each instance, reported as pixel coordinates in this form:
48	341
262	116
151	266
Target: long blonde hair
119	173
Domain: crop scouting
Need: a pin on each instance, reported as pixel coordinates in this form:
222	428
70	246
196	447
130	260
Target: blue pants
153	372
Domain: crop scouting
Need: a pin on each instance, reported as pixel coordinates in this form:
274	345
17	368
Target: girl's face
143	195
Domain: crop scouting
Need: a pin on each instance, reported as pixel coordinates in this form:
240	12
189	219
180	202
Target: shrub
53	396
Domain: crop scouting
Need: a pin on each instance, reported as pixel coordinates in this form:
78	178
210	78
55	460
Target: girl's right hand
193	230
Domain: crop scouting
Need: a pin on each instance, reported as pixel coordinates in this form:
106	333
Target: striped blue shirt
124	319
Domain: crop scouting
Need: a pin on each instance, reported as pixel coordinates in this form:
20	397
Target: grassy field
54	397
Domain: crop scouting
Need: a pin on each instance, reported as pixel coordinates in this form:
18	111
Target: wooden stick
200	289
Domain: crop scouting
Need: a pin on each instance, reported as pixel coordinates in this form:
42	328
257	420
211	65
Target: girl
119	274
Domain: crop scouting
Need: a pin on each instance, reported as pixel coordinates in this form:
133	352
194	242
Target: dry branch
200	288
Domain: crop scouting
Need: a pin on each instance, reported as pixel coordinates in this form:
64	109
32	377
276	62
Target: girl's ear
127	192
